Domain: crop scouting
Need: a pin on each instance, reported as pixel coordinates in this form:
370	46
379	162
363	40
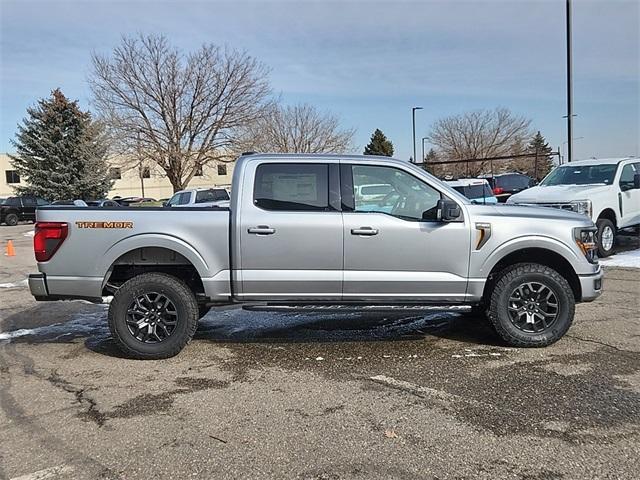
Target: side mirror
447	210
636	181
165	204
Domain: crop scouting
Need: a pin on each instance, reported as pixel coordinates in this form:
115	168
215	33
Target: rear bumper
591	285
41	292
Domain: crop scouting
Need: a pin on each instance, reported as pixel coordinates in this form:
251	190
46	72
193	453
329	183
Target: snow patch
30	233
629	259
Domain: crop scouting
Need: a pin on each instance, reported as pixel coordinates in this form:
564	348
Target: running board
356	308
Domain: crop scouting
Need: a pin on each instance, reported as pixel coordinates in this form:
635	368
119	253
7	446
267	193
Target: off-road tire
508	280
171	287
11	219
602	224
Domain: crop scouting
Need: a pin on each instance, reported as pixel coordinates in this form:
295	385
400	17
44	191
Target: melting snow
21	283
93	323
630	259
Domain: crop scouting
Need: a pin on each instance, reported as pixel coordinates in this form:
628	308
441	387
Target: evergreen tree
431	156
379	145
61	152
544	164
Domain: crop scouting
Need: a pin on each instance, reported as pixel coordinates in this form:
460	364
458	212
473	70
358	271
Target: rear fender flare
152	240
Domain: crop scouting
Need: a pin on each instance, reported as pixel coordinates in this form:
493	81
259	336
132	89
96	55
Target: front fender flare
522	243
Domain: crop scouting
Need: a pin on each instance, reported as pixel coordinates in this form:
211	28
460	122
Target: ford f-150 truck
297	237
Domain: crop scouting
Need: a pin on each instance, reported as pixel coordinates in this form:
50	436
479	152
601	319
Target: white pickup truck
605	190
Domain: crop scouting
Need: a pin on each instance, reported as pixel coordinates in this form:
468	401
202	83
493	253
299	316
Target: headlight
585	238
582	206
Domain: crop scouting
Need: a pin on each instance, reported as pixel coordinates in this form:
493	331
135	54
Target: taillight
498	190
48	238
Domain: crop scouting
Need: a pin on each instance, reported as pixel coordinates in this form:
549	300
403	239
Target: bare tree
478	134
183	111
297	129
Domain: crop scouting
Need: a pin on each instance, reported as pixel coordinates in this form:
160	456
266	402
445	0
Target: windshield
2	200
581	175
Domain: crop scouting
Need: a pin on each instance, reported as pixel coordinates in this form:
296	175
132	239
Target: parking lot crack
91	411
597	342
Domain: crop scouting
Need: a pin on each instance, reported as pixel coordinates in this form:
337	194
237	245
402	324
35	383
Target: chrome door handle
262	230
364	231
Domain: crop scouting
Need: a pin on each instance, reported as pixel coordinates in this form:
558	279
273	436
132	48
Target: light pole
413	123
569	87
423	157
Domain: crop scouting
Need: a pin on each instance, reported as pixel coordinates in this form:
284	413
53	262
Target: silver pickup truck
298	235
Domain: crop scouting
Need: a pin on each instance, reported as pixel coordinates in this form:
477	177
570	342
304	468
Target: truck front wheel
153	316
532	305
606	237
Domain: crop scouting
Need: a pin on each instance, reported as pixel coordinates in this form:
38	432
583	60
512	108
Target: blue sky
366	61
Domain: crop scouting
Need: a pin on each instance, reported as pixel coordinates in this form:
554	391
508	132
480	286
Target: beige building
131	182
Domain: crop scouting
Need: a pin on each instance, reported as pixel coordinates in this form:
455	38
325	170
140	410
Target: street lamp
570	114
413	123
423	157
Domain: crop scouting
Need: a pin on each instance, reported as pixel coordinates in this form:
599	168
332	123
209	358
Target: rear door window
29	201
292	187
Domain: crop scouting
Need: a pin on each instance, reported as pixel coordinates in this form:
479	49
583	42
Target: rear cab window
211	195
292	187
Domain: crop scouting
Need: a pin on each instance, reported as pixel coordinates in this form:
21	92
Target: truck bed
101	240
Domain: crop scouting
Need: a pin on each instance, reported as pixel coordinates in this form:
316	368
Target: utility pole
423	157
413	123
569	86
140	164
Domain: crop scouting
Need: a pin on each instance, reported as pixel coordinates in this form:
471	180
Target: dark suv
506	184
15	209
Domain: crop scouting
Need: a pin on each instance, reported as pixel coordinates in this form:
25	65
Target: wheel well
609	214
152	259
535	255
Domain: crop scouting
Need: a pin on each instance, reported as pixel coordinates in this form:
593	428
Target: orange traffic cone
11	252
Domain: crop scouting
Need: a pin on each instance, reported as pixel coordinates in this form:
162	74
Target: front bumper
591	285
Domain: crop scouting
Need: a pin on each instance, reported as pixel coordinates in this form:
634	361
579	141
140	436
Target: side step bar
355	308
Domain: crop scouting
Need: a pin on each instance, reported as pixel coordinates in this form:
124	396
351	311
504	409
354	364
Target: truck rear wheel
532	305
11	219
153	316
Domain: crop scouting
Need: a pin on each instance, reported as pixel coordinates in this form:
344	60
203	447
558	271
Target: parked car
71	203
506	184
20	208
475	189
372	192
126	201
294	238
606	190
200	197
104	202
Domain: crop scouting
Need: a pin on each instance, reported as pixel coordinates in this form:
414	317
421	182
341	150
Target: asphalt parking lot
312	396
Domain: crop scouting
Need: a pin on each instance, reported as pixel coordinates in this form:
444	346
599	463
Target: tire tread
506	276
192	316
